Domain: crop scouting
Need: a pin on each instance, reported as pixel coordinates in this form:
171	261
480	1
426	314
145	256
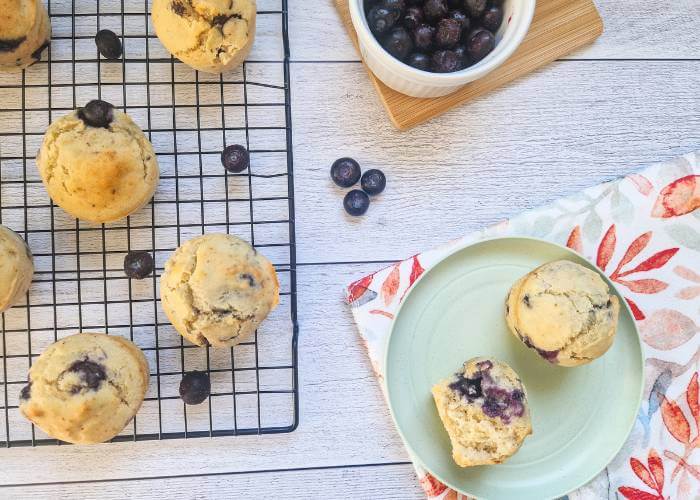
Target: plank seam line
210	474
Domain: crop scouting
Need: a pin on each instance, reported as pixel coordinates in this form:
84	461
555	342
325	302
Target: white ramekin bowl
517	15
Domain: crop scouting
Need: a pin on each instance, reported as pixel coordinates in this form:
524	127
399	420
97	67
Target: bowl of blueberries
431	48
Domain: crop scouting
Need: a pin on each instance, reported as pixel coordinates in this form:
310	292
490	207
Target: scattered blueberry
138	264
235	158
97	114
481	42
419	61
108	44
373	182
356	202
195	387
345	172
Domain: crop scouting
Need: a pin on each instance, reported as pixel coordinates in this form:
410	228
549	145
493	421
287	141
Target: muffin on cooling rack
208	35
97	164
216	290
16	268
25	31
484	410
564	311
86	387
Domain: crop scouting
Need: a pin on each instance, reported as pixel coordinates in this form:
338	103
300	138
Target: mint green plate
580	416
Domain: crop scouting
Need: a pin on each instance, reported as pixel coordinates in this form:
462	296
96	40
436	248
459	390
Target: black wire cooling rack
79	284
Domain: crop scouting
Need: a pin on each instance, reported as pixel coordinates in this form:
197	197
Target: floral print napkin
643	231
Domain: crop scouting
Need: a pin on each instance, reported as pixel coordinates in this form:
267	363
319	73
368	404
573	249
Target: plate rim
459	248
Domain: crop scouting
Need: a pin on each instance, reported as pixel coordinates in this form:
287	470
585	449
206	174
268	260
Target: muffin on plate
485	412
97	164
16	268
216	290
25	31
564	311
86	387
208	35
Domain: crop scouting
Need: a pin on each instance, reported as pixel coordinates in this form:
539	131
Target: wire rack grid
79	283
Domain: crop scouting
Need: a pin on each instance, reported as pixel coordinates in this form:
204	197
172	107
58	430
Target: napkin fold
643	231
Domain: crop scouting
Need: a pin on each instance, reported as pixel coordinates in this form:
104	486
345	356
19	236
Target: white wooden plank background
628	100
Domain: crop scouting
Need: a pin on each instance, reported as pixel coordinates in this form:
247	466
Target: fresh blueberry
423	36
108	44
475	7
195	387
435	10
356	202
492	18
445	61
413	18
454	4
97	114
373	182
448	33
462	18
419	61
345	172
462	55
235	158
394	4
382	19
399	43
480	43
138	264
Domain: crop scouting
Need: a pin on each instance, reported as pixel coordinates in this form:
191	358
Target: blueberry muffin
216	289
97	164
86	387
25	31
485	412
563	311
208	35
16	268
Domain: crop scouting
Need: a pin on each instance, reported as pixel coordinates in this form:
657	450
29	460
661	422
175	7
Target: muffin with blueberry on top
97	164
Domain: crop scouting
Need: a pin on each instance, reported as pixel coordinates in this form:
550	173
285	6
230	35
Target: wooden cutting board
558	28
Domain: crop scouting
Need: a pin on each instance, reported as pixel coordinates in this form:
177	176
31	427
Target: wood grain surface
558	28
